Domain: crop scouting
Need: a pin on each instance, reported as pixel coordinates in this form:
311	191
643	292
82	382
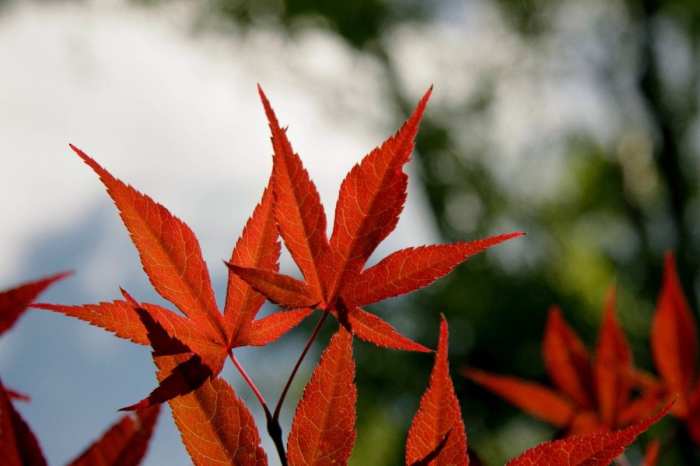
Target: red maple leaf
437	436
18	445
674	344
323	429
591	393
15	301
124	444
370	201
172	259
593	449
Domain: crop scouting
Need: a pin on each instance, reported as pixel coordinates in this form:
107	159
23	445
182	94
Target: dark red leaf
124	444
18	445
15	301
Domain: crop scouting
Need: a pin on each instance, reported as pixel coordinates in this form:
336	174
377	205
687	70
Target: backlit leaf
257	247
169	252
300	216
413	268
439	418
370	201
323	429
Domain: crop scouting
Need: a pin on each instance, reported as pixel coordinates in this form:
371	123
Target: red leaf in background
18	445
172	260
370	201
15	301
612	362
124	444
567	360
674	340
532	398
590	395
596	449
438	418
323	429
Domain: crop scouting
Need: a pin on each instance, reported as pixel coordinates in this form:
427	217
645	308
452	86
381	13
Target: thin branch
249	381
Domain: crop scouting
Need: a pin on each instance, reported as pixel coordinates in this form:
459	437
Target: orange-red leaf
531	397
613	360
438	418
18	445
15	301
257	247
370	201
279	288
566	359
169	252
268	329
597	449
124	444
120	318
412	268
215	425
370	328
674	340
300	216
323	430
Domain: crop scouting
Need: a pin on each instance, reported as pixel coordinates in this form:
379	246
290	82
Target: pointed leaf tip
439	418
15	301
124	444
